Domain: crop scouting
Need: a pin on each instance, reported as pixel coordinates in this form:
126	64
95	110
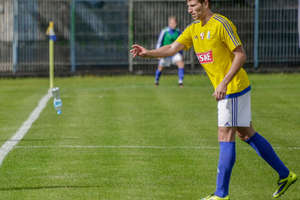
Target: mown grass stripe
14	140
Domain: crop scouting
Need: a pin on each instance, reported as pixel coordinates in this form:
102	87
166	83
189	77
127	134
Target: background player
221	54
167	36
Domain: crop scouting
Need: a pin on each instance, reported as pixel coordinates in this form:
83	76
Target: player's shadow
47	187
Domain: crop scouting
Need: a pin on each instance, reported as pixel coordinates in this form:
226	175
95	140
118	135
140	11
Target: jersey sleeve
228	34
160	38
185	38
179	32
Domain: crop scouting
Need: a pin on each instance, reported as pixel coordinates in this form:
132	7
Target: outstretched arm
164	51
238	61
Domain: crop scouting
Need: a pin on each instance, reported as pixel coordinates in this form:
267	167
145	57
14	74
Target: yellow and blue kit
214	44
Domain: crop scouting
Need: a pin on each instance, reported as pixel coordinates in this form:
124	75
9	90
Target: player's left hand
220	92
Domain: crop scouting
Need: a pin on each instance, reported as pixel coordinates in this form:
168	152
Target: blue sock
226	162
180	74
157	75
265	150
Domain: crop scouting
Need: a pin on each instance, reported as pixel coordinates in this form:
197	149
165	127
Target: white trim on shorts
235	111
167	61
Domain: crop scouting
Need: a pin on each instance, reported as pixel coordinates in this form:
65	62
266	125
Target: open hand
138	50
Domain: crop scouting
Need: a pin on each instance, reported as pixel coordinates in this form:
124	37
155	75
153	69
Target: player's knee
243	137
226	134
245	133
180	64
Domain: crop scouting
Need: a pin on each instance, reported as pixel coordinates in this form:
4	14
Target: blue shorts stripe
236	111
233	120
232	113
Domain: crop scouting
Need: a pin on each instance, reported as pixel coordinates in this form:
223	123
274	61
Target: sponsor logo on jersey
202	35
208	35
206	57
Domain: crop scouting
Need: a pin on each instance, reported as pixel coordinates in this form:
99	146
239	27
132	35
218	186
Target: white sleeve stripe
160	39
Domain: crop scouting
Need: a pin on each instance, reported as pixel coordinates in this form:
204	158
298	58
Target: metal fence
30	40
278	32
89	33
6	36
268	29
147	19
99	32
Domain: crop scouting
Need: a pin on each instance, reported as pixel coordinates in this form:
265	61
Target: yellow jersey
214	44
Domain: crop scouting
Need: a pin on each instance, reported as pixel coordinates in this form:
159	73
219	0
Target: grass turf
120	138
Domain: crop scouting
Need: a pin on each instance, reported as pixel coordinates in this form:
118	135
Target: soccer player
167	36
220	52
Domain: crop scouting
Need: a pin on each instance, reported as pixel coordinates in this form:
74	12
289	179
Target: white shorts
235	112
166	62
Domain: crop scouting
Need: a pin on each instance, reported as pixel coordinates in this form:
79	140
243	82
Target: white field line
138	147
14	140
115	147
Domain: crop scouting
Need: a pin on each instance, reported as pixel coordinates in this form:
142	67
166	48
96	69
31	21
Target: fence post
256	35
15	36
72	37
130	33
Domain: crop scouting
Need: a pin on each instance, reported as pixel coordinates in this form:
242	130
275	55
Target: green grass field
120	138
